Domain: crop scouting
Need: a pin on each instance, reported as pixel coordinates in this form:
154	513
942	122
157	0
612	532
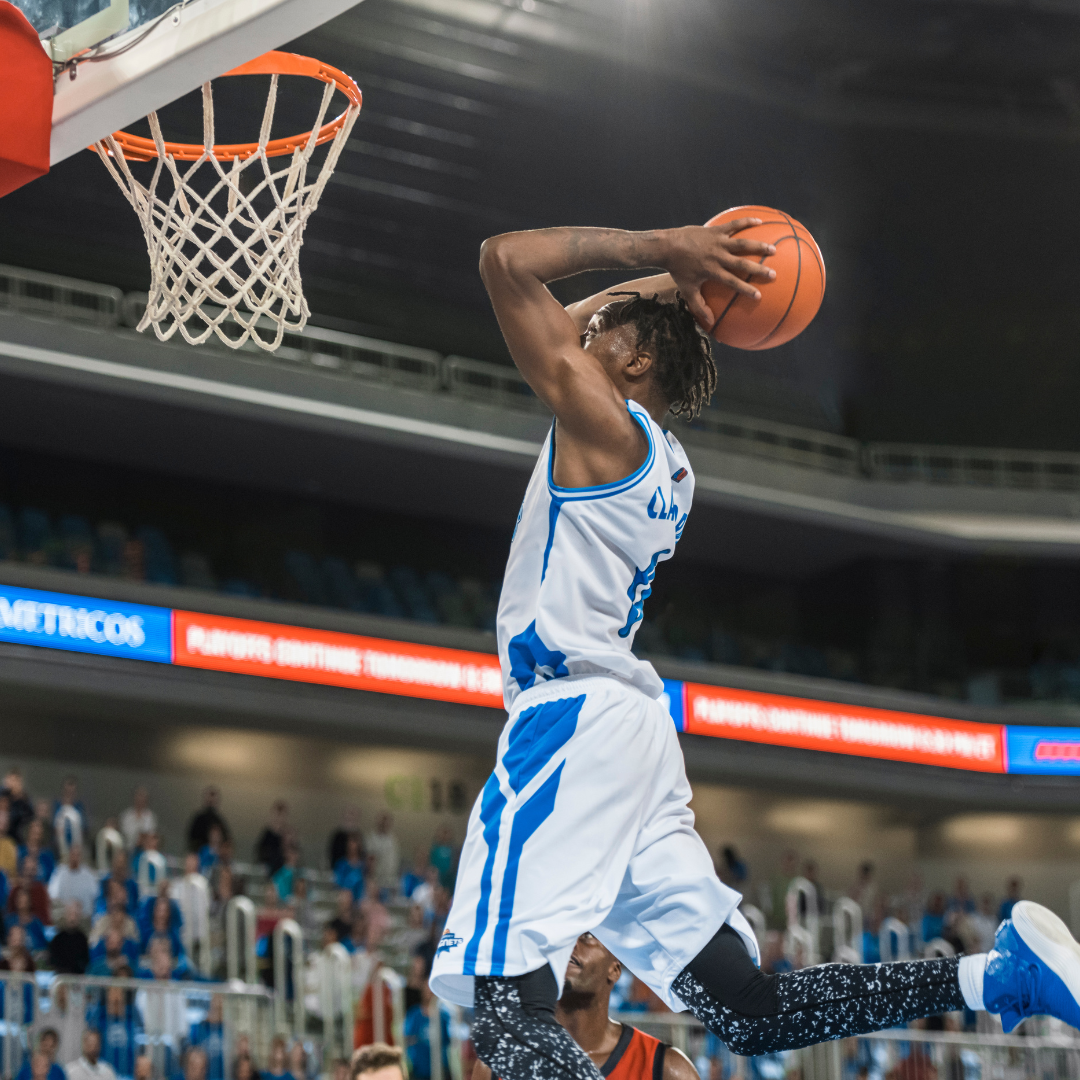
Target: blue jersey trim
492	804
601	491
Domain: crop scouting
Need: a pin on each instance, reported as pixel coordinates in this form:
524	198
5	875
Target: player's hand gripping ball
788	303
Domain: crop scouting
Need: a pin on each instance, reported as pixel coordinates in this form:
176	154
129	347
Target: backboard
127	58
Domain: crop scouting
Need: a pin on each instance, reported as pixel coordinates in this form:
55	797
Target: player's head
590	975
642	340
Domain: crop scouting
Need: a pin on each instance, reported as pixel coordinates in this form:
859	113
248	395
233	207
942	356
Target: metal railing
59	297
356	356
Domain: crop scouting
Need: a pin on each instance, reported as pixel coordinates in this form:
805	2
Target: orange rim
136	148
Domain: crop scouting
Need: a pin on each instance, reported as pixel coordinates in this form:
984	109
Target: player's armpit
677	1066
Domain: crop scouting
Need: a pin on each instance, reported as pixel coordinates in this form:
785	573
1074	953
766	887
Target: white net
219	264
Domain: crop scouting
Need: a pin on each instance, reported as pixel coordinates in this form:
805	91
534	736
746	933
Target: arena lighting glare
299	654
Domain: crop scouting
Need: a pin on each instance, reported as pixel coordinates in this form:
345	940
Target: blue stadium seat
77	543
112	539
304	577
450	602
412	594
195	571
9	549
159	560
341	586
36	540
375	595
239	587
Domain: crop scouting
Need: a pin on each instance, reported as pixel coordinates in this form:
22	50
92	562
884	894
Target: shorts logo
447	942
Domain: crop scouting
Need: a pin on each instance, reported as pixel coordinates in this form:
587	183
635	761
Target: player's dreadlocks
684	362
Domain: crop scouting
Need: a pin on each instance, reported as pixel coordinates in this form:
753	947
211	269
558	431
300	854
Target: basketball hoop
214	256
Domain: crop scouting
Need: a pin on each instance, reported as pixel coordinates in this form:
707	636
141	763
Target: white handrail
336	1001
67	816
237	906
289	928
802	929
435	1038
937	947
193	896
148	860
847	923
891	926
108	842
756	918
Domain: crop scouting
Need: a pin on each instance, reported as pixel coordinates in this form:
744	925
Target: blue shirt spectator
56	1072
46	862
1005	911
120	1028
349	870
35	931
209	1036
119	874
418	1042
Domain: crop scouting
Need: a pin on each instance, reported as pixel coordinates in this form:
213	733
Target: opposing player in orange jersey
619	1051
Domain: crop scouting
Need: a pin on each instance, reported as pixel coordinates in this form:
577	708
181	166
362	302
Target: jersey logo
447	942
679	475
642	580
663	512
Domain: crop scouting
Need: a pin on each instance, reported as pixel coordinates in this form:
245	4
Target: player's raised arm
545	340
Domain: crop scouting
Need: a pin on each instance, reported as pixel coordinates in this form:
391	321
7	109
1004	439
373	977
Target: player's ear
614	972
639	364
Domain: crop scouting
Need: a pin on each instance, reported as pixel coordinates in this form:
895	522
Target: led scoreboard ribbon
298	654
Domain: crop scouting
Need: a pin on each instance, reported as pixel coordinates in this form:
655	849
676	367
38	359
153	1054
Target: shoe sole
1049	939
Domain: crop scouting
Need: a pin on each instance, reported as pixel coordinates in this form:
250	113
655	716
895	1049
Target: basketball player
584	825
619	1051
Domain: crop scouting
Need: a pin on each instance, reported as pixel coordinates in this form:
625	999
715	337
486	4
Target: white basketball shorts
583	826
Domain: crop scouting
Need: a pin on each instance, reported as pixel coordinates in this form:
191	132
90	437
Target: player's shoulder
677	1066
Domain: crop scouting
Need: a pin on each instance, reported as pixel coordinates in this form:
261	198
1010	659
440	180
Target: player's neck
590	1027
655	406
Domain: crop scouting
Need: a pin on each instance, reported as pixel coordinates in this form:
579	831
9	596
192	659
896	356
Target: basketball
788	303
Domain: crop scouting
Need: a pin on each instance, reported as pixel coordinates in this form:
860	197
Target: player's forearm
545	255
659	285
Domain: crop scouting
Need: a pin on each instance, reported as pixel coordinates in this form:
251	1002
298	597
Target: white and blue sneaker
1034	968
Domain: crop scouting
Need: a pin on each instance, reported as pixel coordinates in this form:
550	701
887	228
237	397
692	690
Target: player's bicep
677	1066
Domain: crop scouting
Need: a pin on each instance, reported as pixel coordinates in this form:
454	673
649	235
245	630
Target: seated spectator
298	1060
69	952
144	1068
115	917
73	881
36	1068
119	874
418	1039
961	902
343	915
16	956
193	1064
120	1030
933	922
137	818
244	1068
731	867
442	857
90	1066
158	963
209	1036
48	1044
1015	890
270	847
349	870
278	1068
376	1062
69	801
9	850
382	845
39	896
162	926
210	852
339	838
205	818
20	809
111	953
24	916
339	1070
150	841
414	876
424	894
285	879
35	845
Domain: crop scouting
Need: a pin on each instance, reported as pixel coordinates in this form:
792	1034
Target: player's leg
546	850
1034	969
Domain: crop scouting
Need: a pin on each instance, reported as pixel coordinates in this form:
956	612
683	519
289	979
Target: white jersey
581	564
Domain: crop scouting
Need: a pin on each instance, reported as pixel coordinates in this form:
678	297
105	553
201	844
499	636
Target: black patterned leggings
755	1013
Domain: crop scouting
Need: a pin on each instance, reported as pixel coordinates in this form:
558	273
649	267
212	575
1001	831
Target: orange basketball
788	303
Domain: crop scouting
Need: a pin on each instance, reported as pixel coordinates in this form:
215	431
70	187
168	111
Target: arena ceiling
931	146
